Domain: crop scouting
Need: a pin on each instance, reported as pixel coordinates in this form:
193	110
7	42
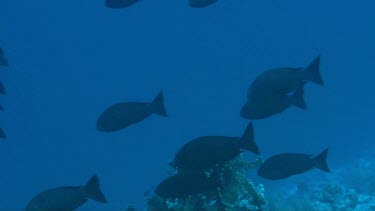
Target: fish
201	3
122	115
284	165
186	184
266	107
2	89
1	108
3	60
205	152
2	133
67	198
118	4
281	81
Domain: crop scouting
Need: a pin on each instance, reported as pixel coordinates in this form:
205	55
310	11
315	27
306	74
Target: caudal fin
321	161
157	105
93	191
313	72
297	98
247	140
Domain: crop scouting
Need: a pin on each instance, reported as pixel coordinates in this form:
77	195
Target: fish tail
2	133
321	161
247	140
93	191
313	72
297	98
157	105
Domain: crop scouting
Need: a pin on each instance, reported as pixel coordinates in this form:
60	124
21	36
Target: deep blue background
71	59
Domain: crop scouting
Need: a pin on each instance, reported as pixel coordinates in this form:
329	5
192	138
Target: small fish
3	60
2	89
266	107
284	165
205	152
118	4
67	198
201	3
183	185
2	133
122	115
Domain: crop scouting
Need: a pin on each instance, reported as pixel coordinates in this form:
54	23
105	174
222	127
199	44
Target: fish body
3	60
66	198
284	165
201	3
185	184
205	152
118	4
122	115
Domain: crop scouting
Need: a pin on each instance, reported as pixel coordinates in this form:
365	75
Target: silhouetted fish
201	3
2	133
2	89
261	108
207	151
3	60
275	90
117	4
183	185
285	165
67	198
122	115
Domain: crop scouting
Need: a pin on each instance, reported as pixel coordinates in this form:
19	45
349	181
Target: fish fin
247	140
321	161
297	98
93	191
157	105
313	72
2	133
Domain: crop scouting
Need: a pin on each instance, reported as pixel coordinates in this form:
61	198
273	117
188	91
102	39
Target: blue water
71	59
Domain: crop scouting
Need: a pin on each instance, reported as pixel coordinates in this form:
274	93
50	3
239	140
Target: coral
238	193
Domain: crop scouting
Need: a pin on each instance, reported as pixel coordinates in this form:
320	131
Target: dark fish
1	108
261	108
2	133
280	81
185	184
2	89
277	89
285	165
117	4
67	198
201	3
205	152
3	60
122	115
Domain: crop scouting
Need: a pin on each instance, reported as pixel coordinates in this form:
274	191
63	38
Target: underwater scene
188	105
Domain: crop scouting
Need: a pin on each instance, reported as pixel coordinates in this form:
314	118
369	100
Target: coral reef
238	193
350	188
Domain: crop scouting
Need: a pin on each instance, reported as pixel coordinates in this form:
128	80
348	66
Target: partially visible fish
122	115
186	184
3	60
205	152
281	81
2	89
118	4
201	3
284	165
2	133
255	109
67	198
